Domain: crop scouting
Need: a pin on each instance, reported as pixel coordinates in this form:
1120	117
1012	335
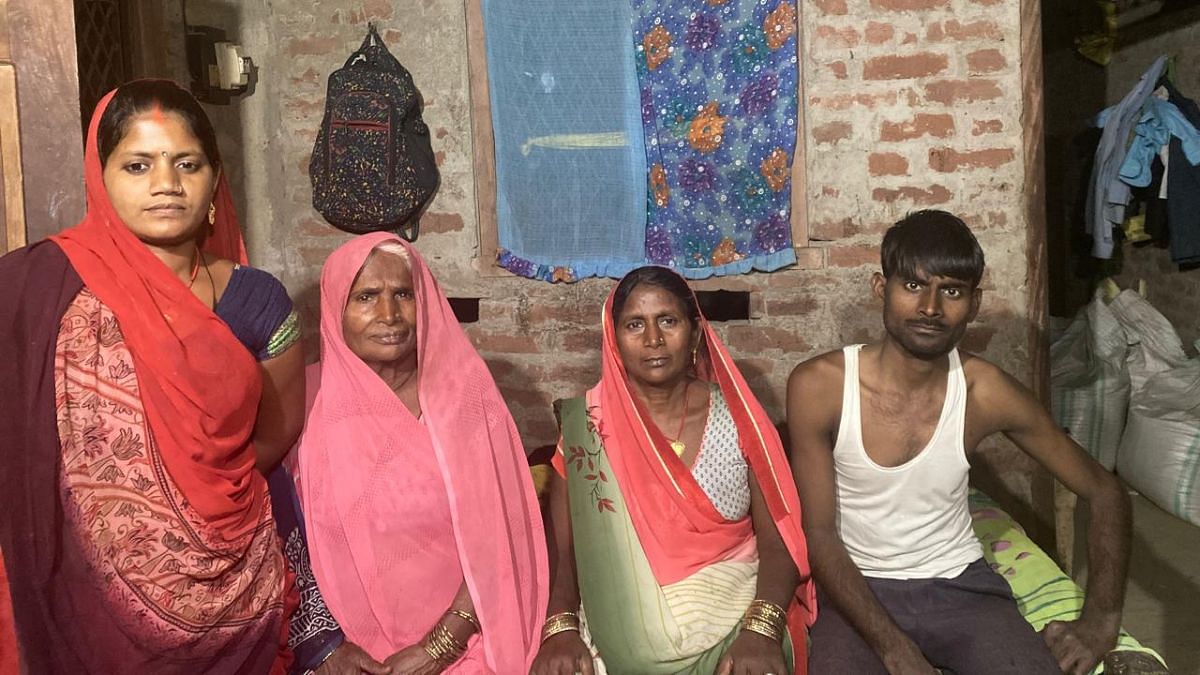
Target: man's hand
350	659
908	660
1079	645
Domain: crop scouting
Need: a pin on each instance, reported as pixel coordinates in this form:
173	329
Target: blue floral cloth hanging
718	95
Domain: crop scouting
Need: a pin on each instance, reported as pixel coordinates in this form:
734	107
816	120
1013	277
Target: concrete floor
1162	601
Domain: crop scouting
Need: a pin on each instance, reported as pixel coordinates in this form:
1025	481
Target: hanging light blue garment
570	155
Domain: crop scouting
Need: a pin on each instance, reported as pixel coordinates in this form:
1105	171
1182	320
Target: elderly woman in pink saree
422	524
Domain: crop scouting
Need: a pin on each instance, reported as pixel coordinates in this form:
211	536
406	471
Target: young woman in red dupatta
678	524
136	532
421	521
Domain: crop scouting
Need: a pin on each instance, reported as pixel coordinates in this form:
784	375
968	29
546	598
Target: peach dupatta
399	511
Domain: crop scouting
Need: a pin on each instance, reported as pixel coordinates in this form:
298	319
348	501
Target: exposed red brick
526	397
950	92
846	101
877	33
800	305
829	191
982	221
853	256
907	5
938	125
502	343
441	222
392	36
313	45
564	312
582	340
947	160
981	127
887	164
810	258
439	157
953	30
832	132
500	368
537	428
440	133
838	68
316	227
753	339
986	61
375	9
830	229
909	38
904	67
832	7
310	76
833	36
933	195
756	368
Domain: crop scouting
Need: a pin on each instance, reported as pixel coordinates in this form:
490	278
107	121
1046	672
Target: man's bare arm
1007	406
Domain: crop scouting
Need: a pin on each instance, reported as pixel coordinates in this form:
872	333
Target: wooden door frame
39	36
12	189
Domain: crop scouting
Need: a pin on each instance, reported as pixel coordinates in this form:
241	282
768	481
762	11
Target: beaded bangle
560	623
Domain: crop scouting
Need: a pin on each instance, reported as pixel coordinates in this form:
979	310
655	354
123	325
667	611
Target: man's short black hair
935	242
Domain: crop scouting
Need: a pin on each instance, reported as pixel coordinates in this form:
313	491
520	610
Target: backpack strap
374	53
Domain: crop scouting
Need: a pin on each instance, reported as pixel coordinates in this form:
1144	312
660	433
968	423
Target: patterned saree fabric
399	511
701	121
718	92
623	476
570	166
137	535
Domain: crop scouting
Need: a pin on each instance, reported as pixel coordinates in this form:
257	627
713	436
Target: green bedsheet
1043	591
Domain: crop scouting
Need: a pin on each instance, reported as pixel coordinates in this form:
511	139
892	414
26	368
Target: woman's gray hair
395	248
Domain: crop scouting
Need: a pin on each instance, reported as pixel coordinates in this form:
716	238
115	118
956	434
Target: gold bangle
466	616
441	645
767	610
762	628
560	623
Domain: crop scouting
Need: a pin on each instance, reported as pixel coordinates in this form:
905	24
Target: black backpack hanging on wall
372	167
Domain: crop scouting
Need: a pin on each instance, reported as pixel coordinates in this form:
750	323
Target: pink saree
399	510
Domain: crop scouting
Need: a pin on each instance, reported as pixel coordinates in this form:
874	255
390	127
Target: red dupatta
199	385
655	481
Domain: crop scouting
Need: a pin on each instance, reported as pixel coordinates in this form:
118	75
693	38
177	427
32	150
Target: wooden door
41	142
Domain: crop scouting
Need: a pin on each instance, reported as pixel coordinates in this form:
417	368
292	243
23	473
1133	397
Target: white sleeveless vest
910	521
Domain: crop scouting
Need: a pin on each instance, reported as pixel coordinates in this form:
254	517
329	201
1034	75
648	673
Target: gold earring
212	214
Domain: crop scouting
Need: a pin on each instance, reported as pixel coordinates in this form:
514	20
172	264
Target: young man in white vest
882	436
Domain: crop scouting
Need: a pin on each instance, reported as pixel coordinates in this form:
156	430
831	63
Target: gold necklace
677	445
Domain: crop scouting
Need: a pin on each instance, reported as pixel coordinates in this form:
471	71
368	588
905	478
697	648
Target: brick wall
910	104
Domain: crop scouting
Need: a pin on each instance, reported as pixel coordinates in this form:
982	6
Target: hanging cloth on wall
570	164
718	95
1183	189
1107	193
